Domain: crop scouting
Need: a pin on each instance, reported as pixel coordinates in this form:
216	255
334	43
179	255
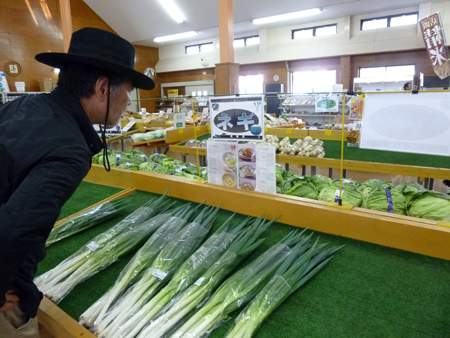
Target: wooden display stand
402	232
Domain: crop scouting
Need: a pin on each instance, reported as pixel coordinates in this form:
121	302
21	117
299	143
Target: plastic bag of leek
88	219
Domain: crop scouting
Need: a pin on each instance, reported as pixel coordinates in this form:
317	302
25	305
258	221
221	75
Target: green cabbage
321	182
410	188
279	173
377	200
350	195
302	188
431	205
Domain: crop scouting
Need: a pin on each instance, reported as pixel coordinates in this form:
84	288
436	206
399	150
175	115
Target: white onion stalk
107	255
140	261
240	288
291	275
194	267
181	246
52	277
186	301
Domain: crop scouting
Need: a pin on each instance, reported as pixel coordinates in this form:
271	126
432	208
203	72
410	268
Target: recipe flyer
243	166
222	163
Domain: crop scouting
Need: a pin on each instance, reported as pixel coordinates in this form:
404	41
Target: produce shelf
362	278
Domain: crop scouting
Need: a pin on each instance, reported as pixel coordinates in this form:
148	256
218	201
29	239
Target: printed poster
237	118
356	109
244	166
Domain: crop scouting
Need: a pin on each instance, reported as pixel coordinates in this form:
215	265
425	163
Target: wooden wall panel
188	75
84	16
148	57
28	28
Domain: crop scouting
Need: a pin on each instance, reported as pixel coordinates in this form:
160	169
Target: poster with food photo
247	166
223	163
257	167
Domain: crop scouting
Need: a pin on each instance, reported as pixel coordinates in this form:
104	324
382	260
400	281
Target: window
251	84
201	48
391	71
247	41
313	81
390	21
314	31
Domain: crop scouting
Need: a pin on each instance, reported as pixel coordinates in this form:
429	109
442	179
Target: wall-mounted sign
327	103
240	118
172	92
434	38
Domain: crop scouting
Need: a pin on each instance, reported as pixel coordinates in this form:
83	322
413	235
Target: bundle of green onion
185	302
49	281
291	275
240	288
194	267
88	219
180	247
140	261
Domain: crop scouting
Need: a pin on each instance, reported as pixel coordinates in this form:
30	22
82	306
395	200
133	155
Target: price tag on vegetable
159	274
93	246
289	131
328	132
128	126
199	281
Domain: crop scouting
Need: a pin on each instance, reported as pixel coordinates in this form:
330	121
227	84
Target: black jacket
46	146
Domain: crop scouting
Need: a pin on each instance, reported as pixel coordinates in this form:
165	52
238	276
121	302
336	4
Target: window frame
314	30
245	40
199	46
388	17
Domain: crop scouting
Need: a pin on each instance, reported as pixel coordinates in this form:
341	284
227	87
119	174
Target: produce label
93	246
327	103
199	281
159	274
237	118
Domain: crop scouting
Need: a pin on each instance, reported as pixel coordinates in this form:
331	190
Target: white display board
406	122
236	117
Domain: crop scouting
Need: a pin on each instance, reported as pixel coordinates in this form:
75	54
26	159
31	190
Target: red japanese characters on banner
434	38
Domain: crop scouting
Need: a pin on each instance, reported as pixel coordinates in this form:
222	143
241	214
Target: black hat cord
103	130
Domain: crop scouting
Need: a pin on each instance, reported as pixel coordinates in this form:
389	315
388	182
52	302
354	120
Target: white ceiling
140	21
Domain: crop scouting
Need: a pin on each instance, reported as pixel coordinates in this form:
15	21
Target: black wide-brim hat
102	49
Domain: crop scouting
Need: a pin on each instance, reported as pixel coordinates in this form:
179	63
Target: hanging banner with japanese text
434	38
237	118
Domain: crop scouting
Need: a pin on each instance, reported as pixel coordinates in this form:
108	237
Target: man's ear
101	88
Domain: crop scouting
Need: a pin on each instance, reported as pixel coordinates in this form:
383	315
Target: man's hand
11	298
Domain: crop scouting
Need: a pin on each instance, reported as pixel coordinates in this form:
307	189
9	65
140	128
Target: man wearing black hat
46	145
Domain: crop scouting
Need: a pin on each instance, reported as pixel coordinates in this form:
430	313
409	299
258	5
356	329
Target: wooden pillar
227	72
346	73
66	22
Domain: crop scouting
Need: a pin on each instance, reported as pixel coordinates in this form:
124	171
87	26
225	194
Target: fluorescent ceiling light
175	36
287	16
173	10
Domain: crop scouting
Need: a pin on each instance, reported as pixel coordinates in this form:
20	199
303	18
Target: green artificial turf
333	151
366	290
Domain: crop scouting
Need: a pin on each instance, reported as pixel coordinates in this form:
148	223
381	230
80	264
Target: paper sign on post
128	126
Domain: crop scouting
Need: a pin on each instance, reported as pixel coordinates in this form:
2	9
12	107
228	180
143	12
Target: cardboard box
46	85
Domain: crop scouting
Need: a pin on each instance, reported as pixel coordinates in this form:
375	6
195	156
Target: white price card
159	274
199	281
93	246
128	126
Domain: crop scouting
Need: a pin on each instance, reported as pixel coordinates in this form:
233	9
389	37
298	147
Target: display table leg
286	166
304	170
313	170
330	173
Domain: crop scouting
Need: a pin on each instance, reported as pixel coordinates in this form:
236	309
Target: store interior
388	277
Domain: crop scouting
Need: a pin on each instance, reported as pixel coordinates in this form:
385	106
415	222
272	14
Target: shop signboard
243	166
434	38
327	103
237	118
